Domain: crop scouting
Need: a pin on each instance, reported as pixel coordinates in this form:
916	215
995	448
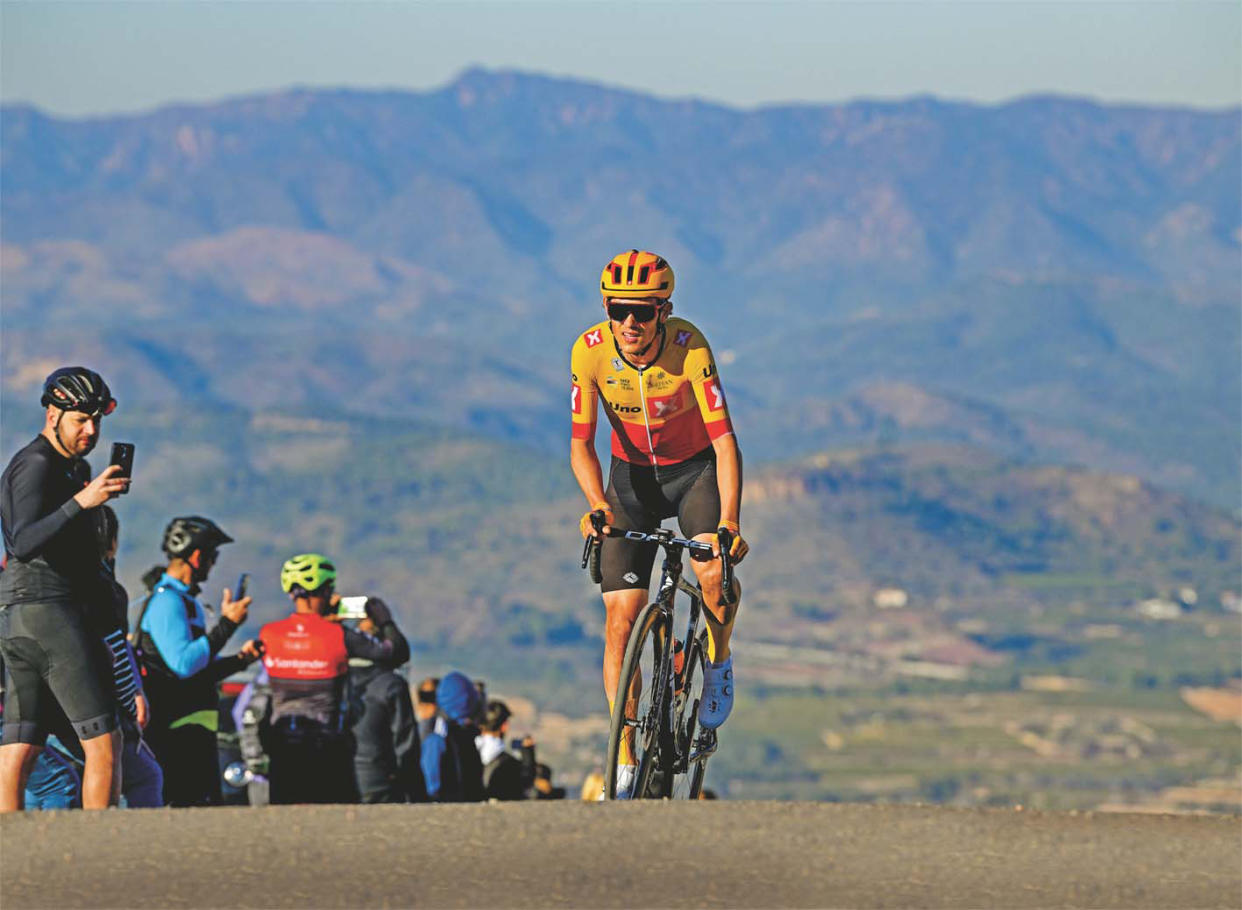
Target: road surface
568	854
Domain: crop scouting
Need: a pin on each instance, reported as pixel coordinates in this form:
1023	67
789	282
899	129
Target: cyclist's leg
626	570
25	701
698	512
80	680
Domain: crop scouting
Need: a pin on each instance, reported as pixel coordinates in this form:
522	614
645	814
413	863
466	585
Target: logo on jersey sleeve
575	399
593	338
683	337
714	394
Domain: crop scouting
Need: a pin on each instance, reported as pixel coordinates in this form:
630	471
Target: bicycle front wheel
637	718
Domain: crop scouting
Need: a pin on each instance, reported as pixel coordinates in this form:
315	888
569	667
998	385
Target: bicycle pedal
705	746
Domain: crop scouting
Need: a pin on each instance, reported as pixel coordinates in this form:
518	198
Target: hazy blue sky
97	57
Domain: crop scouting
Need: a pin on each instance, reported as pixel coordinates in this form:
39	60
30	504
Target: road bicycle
656	707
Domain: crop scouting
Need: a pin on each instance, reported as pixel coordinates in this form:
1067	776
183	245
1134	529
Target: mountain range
1057	275
1054	279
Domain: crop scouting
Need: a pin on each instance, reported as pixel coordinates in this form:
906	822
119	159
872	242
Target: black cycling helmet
496	716
188	533
78	389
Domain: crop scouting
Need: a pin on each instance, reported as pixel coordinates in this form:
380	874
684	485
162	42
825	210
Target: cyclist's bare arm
587	472
729	476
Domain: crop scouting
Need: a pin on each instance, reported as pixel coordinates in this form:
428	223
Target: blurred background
972	272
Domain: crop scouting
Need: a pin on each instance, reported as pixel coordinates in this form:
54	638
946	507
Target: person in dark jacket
451	764
505	776
182	666
142	778
387	745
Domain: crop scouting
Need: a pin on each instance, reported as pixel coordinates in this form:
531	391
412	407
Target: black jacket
388	747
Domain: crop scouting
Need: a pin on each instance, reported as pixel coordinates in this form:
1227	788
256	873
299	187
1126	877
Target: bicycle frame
679	748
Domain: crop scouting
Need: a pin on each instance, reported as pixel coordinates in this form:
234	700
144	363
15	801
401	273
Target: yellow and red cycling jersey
660	415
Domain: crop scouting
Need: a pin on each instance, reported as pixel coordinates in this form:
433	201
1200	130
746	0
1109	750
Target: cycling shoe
625	781
717	695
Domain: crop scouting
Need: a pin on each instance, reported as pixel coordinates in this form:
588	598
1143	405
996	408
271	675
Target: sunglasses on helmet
642	312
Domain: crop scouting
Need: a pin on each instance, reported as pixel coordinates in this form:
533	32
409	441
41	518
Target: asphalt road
713	854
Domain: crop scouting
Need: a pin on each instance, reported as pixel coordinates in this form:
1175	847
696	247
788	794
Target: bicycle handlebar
666	539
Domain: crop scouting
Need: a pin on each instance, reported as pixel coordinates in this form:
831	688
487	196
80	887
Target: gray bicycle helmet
188	533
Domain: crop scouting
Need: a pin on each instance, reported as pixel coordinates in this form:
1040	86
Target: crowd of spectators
94	716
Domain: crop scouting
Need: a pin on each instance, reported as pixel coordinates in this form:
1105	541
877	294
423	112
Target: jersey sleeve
708	392
583	393
28	530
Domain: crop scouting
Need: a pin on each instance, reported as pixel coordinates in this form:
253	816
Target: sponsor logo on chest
665	406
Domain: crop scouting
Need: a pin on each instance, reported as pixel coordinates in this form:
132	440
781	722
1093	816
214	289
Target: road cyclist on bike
674	452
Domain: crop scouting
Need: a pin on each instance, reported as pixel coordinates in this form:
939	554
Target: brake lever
591	547
724	539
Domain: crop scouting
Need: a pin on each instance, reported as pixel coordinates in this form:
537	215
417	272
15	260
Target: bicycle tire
643	652
688	781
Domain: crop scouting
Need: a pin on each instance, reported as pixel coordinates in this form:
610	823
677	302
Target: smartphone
352	608
240	590
123	455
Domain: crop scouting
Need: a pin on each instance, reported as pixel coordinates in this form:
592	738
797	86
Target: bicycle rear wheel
640	711
694	745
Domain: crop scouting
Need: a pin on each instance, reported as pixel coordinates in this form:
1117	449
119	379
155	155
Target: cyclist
306	662
182	664
51	619
673	453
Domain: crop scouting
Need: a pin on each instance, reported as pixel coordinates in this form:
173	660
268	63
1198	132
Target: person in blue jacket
451	764
182	664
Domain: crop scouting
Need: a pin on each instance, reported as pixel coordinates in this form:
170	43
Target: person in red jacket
306	659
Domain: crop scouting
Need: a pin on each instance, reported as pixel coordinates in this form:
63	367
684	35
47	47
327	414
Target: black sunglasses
642	312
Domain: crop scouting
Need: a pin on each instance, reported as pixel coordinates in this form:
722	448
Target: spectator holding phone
306	663
182	663
387	746
50	620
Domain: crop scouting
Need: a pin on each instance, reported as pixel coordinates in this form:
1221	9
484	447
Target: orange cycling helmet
637	273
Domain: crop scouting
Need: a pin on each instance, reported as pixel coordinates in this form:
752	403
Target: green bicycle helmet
306	573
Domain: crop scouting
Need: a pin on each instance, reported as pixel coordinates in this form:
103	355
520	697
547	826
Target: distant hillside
474	540
1052	279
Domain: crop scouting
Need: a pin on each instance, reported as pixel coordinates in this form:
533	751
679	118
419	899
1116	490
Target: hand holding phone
352	608
123	457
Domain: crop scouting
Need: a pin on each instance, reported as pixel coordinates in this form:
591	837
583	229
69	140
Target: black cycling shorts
54	664
641	497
